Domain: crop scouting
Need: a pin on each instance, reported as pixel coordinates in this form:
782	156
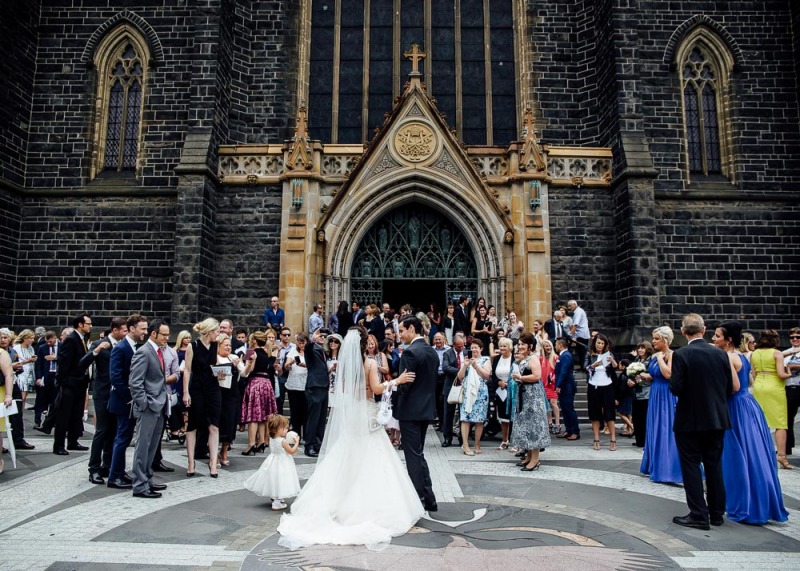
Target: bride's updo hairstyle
362	332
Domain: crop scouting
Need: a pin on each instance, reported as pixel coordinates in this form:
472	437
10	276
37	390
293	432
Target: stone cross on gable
415	55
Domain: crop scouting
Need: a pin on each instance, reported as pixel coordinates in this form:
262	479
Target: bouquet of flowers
292	437
635	369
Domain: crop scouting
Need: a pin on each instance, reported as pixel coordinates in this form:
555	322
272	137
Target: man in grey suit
149	392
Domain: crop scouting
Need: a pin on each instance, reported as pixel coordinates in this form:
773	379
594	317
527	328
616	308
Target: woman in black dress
482	328
259	396
201	394
229	390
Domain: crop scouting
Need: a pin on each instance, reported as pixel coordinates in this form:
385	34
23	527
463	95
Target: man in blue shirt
273	315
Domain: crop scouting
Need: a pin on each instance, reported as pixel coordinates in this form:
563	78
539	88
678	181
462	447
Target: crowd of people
495	376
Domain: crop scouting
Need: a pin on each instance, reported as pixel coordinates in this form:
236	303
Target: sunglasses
794	336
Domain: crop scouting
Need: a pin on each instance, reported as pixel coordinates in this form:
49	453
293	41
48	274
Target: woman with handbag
475	371
374	353
502	367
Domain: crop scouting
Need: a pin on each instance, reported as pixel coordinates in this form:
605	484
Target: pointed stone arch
713	28
136	22
485	232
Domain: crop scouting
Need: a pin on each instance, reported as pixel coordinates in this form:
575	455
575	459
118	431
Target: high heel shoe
503	445
250	451
595	445
210	473
191	473
532	468
467	451
262	448
784	463
612	446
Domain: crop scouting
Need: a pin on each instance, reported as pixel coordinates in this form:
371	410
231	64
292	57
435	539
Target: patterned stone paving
582	509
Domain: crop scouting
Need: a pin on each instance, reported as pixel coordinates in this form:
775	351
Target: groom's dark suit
702	380
317	386
415	409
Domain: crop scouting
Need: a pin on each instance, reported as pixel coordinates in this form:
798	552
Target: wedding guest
435	317
448	323
566	388
482	327
452	362
791	362
474	373
285	345
317	387
538	332
46	354
295	366
624	397
274	316
752	489
502	367
259	396
601	393
332	346
660	460
769	389
548	361
26	355
344	319
229	396
530	427
641	385
5	394
201	395
178	415
748	345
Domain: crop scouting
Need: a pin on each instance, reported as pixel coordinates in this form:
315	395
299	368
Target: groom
416	405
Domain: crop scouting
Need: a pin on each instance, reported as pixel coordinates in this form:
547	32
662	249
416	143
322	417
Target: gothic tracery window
705	66
121	77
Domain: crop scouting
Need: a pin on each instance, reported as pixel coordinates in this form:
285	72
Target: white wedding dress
360	492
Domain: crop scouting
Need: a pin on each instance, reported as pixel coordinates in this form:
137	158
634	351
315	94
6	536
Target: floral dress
530	430
476	395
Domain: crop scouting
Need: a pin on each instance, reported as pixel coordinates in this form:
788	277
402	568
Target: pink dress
259	396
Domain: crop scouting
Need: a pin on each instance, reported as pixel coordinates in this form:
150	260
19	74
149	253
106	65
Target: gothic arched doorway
413	254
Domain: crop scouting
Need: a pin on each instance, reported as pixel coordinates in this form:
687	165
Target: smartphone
297	359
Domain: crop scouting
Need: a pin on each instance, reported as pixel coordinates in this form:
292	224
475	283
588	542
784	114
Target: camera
297	359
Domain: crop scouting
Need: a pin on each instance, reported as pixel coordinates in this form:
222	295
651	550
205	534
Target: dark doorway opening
420	294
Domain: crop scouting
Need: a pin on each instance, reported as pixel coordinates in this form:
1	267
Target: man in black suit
702	379
45	369
461	320
452	362
105	423
416	405
317	386
358	313
73	381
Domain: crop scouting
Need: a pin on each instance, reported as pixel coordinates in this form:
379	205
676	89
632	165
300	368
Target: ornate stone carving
415	142
445	163
491	166
338	165
386	163
508	237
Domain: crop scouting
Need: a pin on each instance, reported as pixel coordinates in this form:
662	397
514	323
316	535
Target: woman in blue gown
660	459
752	489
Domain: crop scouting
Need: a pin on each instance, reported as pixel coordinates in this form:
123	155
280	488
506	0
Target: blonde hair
24	334
206	326
221	338
552	357
665	333
747	338
179	340
275	422
505	341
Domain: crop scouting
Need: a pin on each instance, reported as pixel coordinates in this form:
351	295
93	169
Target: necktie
83	340
160	357
53	362
458	358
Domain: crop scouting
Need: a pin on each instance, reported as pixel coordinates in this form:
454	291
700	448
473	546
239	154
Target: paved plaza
582	510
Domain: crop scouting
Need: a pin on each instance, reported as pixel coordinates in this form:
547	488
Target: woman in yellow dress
5	393
769	388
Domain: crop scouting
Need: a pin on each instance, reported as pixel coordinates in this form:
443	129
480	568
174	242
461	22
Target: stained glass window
701	111
125	75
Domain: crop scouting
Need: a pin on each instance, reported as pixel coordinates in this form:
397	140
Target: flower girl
277	477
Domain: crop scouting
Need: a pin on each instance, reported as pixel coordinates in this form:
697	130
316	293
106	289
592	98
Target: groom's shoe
447	442
430	506
689	521
311	453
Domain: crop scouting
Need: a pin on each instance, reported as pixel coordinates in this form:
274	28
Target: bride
360	492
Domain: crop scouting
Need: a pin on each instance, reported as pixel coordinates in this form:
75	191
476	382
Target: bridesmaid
752	489
660	460
769	389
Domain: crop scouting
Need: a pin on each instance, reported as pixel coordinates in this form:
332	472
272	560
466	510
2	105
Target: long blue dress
660	459
752	490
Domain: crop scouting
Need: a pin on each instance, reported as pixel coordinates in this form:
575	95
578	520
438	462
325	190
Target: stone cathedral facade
185	158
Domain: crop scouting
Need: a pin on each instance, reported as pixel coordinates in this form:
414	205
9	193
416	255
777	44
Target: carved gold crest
415	142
